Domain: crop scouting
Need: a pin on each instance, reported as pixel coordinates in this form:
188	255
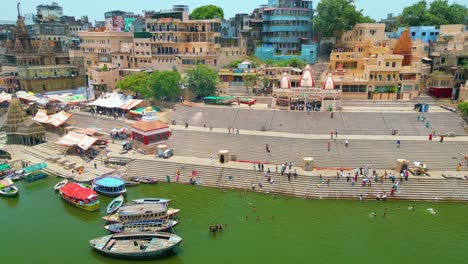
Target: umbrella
420	165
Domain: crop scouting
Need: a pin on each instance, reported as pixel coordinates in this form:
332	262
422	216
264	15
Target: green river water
38	227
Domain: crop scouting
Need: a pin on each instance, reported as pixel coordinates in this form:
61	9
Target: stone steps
303	186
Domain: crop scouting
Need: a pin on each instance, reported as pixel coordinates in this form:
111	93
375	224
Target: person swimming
412	208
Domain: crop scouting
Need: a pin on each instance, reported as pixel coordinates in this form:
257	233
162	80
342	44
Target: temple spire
18	6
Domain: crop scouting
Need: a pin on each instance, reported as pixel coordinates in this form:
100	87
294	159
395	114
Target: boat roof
141	209
77	191
110	182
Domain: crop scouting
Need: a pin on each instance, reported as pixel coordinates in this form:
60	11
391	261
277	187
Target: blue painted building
287	31
423	33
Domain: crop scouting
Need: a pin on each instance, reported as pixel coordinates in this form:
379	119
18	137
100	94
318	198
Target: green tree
335	16
202	80
136	82
438	12
164	84
207	12
250	81
463	108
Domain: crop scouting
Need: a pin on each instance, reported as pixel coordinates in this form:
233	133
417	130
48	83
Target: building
449	54
426	34
42	64
287	31
307	96
119	20
49	13
441	85
391	22
20	129
367	65
150	130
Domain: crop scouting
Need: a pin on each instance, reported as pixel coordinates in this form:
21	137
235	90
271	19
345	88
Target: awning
55	120
35	167
75	139
87	131
41	116
26	96
5	97
111	100
131	104
296	70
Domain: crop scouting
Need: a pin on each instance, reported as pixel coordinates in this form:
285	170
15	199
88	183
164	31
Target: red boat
80	196
247	101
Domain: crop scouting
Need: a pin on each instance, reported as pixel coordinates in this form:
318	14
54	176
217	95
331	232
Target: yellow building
364	65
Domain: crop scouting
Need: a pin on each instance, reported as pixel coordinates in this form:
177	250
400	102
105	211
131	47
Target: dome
30	127
285	82
328	84
307	78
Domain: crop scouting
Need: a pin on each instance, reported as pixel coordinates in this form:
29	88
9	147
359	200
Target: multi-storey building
42	65
425	34
49	13
367	65
287	31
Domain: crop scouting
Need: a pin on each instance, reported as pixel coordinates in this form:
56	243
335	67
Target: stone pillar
307	163
223	156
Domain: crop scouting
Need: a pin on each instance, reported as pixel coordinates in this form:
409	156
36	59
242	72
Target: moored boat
111	186
60	184
136	245
144	180
131	183
133	212
158	225
35	176
115	204
80	196
152	200
10	191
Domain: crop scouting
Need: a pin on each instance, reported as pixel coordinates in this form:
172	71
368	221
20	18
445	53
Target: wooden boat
128	213
80	196
247	101
131	183
10	191
35	176
158	225
136	245
144	180
18	175
60	184
6	183
110	186
152	200
115	204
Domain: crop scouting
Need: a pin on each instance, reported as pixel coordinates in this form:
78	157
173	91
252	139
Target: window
423	34
387	64
393	64
413	34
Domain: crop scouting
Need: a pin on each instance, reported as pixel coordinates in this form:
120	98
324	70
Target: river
38	227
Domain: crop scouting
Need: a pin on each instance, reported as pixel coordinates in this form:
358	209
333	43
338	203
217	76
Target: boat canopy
77	191
4	167
6	183
35	167
219	98
110	182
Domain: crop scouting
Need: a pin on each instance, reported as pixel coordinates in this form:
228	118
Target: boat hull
114	218
12	193
35	177
87	207
105	245
114	205
129	228
112	194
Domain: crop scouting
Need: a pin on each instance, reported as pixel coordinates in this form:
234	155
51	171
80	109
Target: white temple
307	97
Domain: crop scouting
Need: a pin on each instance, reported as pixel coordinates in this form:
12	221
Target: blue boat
35	176
110	186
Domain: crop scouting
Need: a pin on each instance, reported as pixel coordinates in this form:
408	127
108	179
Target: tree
463	108
335	16
437	13
208	12
164	84
250	80
202	80
136	82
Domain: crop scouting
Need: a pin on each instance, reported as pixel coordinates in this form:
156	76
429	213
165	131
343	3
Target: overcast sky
95	9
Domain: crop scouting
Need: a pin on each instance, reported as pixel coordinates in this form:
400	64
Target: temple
150	130
307	97
20	129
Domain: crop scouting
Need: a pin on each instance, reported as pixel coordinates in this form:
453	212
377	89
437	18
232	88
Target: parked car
168	153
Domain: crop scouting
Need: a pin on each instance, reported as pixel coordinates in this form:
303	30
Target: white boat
10	191
60	184
136	245
115	204
151	201
158	225
139	212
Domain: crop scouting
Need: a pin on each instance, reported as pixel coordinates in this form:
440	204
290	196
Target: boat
136	245
131	183
60	184
139	212
247	101
159	225
152	200
35	176
144	180
110	186
10	191
6	183
80	196
115	204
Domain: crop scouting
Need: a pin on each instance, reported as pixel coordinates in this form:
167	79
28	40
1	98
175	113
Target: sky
95	9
